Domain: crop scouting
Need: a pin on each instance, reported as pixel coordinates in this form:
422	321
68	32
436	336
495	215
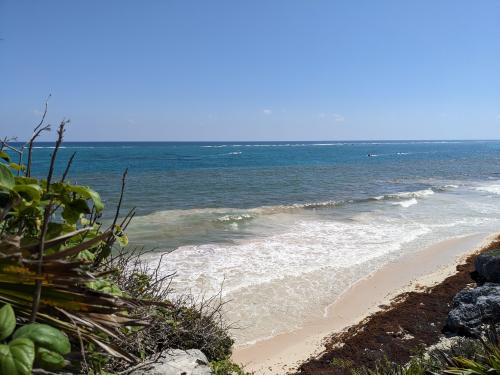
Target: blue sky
252	70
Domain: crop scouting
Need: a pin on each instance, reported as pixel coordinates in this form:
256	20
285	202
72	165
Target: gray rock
473	309
178	362
488	266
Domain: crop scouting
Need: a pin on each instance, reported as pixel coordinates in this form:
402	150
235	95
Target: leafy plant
33	344
71	282
51	245
226	367
483	363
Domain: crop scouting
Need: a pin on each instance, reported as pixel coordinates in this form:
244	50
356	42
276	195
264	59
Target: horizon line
269	141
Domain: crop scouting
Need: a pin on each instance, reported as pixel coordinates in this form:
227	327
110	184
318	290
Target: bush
59	267
184	323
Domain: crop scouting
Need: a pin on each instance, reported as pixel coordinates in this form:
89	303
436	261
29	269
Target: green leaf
6	177
87	193
105	286
120	236
17	357
7	365
4	156
49	360
74	209
25	180
17	167
34	192
7	321
86	255
45	336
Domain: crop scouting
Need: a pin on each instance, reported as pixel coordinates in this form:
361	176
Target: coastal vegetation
74	297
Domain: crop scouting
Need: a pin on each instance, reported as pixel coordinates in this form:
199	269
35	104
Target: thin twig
110	240
45	225
36	132
85	365
68	166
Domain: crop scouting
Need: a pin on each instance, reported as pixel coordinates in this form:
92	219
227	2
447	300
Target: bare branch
45	225
111	239
36	133
68	166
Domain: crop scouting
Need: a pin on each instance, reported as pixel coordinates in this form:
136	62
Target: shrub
61	268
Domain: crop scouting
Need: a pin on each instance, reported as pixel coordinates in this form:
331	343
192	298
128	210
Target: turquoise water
285	227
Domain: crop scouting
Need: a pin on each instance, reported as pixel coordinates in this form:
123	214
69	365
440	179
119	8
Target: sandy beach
427	267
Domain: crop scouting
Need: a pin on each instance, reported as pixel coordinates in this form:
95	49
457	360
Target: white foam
300	262
495	189
406	194
407	203
285	269
235	218
413	194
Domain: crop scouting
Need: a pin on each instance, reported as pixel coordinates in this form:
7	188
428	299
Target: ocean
283	228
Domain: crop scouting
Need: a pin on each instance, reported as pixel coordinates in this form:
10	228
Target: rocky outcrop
488	267
178	362
473	309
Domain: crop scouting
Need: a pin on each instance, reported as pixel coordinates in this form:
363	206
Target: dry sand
427	267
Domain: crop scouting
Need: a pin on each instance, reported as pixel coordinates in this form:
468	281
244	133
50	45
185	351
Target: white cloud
331	116
338	118
267	111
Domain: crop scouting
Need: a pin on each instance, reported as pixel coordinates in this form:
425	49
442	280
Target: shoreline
427	267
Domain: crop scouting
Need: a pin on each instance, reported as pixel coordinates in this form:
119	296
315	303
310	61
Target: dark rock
473	309
488	267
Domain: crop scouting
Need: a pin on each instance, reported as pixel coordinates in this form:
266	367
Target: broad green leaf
4	156
49	360
45	336
86	255
87	193
33	191
74	209
7	364
6	177
23	352
7	321
17	167
70	215
105	286
26	180
17	357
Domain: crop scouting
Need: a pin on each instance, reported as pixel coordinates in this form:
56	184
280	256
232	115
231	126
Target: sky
252	70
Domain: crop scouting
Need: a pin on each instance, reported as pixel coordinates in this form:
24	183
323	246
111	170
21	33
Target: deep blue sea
285	227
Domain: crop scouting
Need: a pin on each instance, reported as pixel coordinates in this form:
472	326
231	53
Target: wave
407	203
291	144
275	145
215	217
235	218
408	194
50	147
53	147
263	272
494	189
